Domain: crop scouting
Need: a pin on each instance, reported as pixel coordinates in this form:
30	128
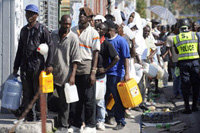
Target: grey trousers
63	113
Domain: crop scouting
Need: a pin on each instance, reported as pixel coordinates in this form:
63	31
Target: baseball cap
32	8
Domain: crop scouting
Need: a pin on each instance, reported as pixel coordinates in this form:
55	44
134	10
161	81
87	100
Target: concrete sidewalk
132	126
7	122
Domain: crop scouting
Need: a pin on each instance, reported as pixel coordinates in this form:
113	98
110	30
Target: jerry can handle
15	77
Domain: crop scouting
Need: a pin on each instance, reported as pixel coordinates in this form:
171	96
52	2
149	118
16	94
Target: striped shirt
89	41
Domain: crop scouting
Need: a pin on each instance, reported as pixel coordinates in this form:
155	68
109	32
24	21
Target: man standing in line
31	62
65	59
86	73
117	73
174	57
188	50
106	53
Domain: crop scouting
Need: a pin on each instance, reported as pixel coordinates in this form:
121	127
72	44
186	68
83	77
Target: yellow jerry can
111	102
129	93
46	82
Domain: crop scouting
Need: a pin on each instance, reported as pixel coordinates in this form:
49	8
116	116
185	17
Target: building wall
98	6
7	39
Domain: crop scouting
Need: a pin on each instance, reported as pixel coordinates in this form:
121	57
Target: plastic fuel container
46	82
111	102
12	94
129	93
100	89
71	93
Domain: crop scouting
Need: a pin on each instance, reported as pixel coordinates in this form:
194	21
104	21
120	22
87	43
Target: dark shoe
195	109
144	108
119	126
62	130
137	109
156	91
110	120
17	113
178	97
187	111
29	119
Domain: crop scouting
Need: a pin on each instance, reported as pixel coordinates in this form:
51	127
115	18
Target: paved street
190	123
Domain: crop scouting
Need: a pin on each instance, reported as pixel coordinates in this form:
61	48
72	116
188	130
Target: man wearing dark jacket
31	62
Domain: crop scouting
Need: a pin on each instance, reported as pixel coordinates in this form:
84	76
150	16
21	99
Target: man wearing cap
85	75
31	62
119	72
188	49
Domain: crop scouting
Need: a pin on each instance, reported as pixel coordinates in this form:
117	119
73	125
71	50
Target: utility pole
148	12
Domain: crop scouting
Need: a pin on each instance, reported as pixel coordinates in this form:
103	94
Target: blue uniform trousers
189	72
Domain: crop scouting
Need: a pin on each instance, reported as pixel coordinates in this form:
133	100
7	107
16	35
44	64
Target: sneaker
62	130
89	130
101	126
119	127
129	115
18	121
73	129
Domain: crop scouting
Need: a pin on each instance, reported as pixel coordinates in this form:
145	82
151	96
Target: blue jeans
119	110
101	109
176	82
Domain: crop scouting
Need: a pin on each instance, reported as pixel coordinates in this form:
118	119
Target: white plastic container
139	72
160	72
12	94
71	93
150	70
100	89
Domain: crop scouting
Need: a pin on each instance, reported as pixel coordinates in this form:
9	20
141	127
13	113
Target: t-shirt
164	48
140	47
121	46
170	43
150	45
106	54
66	52
89	42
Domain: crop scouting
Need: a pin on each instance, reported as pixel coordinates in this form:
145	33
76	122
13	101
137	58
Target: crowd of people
99	51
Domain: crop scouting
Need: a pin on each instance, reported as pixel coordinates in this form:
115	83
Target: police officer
187	48
31	62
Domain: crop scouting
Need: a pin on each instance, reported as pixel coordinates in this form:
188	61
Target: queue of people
99	50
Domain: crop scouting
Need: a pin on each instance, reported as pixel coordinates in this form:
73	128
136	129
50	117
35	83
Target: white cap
43	49
100	17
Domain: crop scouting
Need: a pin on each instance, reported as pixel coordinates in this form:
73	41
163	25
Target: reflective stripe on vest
187	45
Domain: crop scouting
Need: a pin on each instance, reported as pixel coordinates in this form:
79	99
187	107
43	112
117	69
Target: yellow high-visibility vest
187	45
